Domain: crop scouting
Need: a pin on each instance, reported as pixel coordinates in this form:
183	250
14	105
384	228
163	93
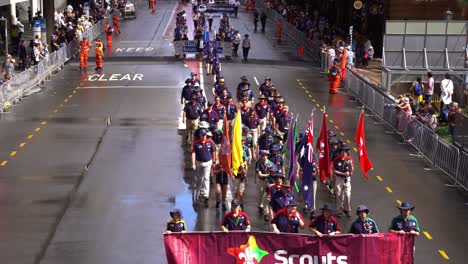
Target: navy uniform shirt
186	93
231	110
244	111
408	225
264	89
192	111
225	100
343	164
176	225
218	88
203	150
287	223
277	111
251	122
283	121
217	136
367	227
279	200
325	226
265	141
263	167
277	159
220	109
201	100
239	222
262	109
249	140
210	116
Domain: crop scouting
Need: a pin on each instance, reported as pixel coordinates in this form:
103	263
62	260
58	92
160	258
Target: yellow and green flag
236	144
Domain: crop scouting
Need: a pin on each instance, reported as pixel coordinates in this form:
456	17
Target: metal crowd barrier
25	81
437	151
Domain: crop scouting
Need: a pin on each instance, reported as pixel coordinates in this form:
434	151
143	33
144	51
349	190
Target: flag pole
295	182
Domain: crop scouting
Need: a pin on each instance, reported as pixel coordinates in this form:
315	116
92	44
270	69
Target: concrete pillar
48	13
35	6
13	12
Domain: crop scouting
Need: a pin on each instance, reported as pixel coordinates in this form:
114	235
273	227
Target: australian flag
308	169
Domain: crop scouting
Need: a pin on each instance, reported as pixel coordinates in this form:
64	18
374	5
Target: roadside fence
22	83
429	145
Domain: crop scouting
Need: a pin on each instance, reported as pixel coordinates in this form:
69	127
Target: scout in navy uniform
281	199
176	224
231	110
252	122
363	224
190	117
342	170
405	222
248	142
283	121
287	220
218	86
221	185
236	220
244	81
219	108
263	111
325	224
265	140
244	109
277	157
210	115
201	125
246	92
186	92
225	95
263	168
264	87
195	80
217	137
203	156
276	186
201	99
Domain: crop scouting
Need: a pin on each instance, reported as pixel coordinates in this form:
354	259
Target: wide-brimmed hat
281	101
406	206
264	153
173	212
193	74
267	78
281	175
203	124
327	207
344	147
292	203
235	203
286	184
362	208
203	132
197	88
243	77
188	80
331	133
260	97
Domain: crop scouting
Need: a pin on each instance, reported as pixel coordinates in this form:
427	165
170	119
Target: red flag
366	165
225	153
324	151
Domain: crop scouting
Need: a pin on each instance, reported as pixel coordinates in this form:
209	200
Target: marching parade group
265	127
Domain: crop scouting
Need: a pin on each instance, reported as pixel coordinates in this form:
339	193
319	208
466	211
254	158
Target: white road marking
133	87
256	81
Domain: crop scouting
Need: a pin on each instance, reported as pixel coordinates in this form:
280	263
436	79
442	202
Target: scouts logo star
249	253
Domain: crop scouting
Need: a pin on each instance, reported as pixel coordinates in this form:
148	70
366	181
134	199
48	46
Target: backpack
418	89
334	72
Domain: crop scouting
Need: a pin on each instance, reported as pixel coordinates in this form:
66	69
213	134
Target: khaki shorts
237	185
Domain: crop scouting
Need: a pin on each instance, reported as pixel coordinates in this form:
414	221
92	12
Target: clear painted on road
115	77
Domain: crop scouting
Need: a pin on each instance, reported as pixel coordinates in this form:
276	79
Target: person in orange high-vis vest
108	31
279	30
84	48
99	54
153	6
343	64
115	20
334	77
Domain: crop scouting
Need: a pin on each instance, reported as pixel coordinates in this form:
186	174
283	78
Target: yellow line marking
74	92
318	105
50	116
70	96
44	123
379	178
307	92
66	100
77	88
428	236
30	136
326	115
313	100
4	163
388	189
337	127
13	153
330	120
443	254
22	144
55	111
398	202
342	134
310	96
37	129
355	149
322	110
348	141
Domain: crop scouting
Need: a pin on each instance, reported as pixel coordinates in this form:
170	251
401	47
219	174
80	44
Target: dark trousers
255	25
245	53
263	26
236	10
235	49
428	98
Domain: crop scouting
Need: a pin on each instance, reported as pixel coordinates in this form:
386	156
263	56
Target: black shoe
347	213
312	214
267	218
224	208
217	205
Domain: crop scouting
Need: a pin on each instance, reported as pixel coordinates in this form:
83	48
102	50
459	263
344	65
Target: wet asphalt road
79	189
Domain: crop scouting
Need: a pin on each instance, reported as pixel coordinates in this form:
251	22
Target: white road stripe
256	81
202	79
133	87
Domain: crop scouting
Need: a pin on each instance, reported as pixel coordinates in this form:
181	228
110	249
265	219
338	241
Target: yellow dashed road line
4	163
74	92
342	134
22	144
13	153
310	96
348	141
355	149
37	129
388	189
55	111
428	236
313	100
398	202
379	178
44	123
30	136
337	127
443	254
331	121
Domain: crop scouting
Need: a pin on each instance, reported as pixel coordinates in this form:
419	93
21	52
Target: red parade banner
263	247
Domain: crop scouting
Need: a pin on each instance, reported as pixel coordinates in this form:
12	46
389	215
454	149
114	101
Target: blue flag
215	55
308	169
206	38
